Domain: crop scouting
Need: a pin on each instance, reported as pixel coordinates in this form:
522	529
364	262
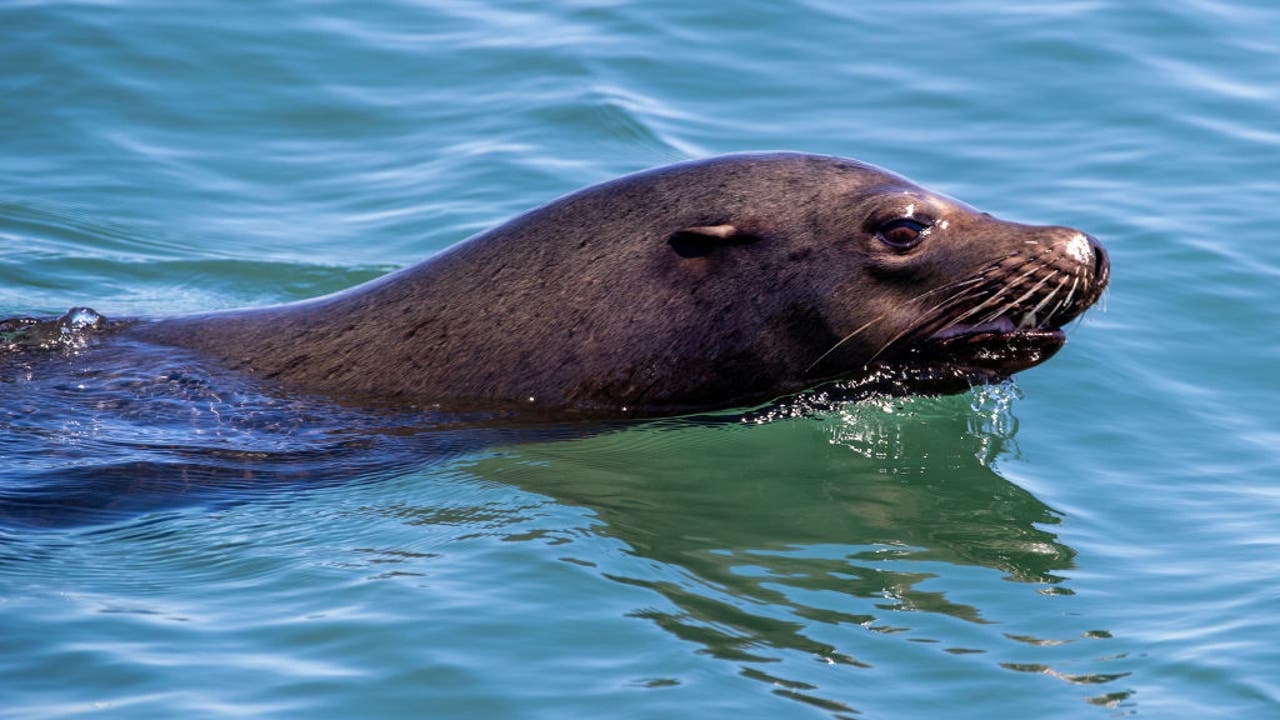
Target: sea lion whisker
892	340
955	297
924	325
869	323
1013	285
948	286
1018	280
1045	301
929	318
997	270
961	318
995	314
932	314
1063	303
995	264
960	301
1039	285
846	339
1074	284
972	311
1013	304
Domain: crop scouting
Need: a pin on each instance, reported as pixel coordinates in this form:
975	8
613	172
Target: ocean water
1100	538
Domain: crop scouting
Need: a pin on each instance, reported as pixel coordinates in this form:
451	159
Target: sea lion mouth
992	350
962	356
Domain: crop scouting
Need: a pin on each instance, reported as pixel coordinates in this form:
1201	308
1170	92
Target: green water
1101	539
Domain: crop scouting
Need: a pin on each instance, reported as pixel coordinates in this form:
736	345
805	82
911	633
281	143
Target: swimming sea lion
709	284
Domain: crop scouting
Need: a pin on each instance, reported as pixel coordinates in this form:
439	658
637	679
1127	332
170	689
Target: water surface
1098	540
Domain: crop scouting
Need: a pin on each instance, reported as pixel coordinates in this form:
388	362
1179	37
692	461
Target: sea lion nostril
1101	263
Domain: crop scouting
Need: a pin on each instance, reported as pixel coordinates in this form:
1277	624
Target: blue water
1099	539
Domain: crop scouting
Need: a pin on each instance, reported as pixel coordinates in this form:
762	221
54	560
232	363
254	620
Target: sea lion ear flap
701	240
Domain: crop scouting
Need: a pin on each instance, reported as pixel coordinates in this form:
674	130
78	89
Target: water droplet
82	317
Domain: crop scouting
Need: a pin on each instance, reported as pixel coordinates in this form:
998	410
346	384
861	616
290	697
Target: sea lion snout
1077	251
1081	264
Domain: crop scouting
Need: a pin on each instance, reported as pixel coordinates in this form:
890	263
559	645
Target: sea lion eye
903	233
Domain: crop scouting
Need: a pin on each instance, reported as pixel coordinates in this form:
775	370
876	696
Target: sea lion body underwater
709	284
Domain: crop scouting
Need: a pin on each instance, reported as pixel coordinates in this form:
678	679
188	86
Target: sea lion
709	284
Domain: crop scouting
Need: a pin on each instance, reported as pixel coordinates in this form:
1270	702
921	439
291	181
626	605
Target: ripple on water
177	541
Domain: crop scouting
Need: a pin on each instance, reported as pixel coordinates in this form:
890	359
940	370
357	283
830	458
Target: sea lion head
784	271
937	296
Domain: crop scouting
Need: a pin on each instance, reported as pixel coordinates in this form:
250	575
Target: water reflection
793	541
